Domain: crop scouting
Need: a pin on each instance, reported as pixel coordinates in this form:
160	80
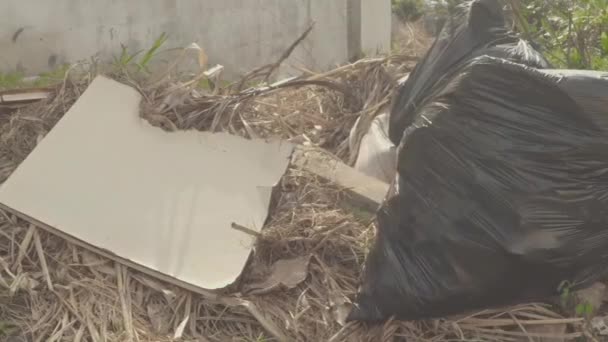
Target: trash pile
500	190
76	263
58	284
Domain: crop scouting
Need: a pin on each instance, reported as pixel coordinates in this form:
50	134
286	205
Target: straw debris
51	290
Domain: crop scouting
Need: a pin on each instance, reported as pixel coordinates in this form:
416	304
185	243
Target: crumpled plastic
476	30
377	154
501	192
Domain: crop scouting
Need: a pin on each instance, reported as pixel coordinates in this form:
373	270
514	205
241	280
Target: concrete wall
36	35
376	26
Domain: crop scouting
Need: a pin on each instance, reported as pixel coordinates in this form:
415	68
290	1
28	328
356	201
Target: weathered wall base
36	36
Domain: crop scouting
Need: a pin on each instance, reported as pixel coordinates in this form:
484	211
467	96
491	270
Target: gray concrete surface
376	26
37	36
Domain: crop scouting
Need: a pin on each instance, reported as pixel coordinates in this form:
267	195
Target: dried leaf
340	306
202	56
289	273
25	244
179	332
341	311
250	131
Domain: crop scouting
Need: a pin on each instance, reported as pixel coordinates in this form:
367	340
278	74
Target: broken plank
365	192
24	95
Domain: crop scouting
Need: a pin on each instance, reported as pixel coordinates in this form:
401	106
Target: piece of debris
495	164
160	202
600	325
11	100
214	71
179	331
376	154
340	307
366	192
288	273
24	96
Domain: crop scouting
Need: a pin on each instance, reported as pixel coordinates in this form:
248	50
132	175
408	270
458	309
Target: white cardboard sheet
165	201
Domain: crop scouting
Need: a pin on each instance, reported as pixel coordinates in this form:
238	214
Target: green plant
16	80
440	10
408	10
52	77
145	60
127	58
568	300
584	310
572	33
11	80
564	292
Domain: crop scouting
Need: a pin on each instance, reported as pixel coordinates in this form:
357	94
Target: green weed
11	80
567	299
17	80
151	52
127	59
572	33
52	77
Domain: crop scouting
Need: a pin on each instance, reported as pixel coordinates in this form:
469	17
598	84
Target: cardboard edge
275	197
209	294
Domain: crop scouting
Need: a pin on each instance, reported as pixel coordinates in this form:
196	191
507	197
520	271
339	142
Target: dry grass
319	109
410	37
51	290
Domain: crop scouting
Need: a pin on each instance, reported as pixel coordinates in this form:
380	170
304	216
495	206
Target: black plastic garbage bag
501	195
588	88
478	28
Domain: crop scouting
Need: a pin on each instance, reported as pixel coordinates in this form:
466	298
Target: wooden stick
365	192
